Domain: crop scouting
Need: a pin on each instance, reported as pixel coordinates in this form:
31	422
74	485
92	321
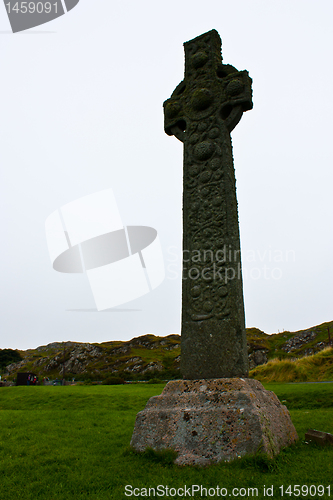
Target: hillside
150	356
315	368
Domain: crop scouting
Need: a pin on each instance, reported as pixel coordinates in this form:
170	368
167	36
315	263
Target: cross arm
210	88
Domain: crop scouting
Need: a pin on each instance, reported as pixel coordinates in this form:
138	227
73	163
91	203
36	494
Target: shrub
113	381
8	356
155	381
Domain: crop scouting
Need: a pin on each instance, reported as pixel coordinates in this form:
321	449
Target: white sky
81	111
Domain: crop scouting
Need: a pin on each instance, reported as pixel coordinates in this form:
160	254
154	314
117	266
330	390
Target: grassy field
59	443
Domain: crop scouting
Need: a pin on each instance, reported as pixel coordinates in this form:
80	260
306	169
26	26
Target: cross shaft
201	112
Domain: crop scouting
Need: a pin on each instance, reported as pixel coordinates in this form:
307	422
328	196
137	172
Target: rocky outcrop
257	357
299	340
153	367
14	367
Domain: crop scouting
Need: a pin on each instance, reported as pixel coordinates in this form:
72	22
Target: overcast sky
82	111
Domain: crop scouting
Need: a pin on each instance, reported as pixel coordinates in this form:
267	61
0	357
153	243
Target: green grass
304	396
61	443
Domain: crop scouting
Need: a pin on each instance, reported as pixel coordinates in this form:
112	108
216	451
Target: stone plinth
214	420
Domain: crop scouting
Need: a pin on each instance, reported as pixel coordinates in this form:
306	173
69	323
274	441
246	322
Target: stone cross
229	416
201	112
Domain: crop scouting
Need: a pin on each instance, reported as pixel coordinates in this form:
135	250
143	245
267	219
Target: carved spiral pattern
206	213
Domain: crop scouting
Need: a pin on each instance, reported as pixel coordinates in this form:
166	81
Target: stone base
214	420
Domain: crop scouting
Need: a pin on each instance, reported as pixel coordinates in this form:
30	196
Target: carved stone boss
201	112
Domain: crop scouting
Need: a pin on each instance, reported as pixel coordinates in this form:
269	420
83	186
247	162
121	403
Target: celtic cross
201	112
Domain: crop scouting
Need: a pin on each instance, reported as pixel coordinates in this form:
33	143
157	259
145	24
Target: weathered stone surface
319	437
299	340
257	357
214	420
202	111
